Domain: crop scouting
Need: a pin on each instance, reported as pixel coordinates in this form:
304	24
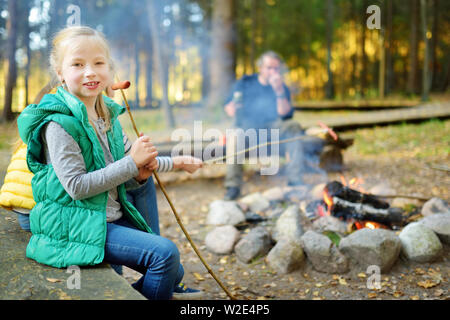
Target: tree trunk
206	78
149	77
434	43
162	64
26	37
137	73
148	68
254	11
382	70
382	63
389	49
413	47
329	91
57	12
11	76
446	76
223	55
205	48
426	70
363	73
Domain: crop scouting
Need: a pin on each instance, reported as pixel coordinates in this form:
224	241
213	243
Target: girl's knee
170	252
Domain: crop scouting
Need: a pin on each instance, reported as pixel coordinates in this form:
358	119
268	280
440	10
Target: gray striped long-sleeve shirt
62	151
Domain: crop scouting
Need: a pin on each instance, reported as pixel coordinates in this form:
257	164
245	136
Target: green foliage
428	139
333	236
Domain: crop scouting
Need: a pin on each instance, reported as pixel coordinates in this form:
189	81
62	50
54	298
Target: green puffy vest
65	231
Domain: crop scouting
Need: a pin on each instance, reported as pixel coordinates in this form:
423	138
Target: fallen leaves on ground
372	295
428	283
362	275
432	279
198	276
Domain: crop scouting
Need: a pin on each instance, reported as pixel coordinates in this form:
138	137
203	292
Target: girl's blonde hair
62	42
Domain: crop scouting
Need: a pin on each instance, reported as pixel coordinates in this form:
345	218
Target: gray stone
256	202
286	256
330	223
274	194
400	202
22	278
288	225
323	254
435	205
253	245
420	243
440	224
222	239
372	247
274	213
296	193
224	213
382	189
316	192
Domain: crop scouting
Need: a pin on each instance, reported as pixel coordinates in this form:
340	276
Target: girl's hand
152	165
143	152
146	171
187	163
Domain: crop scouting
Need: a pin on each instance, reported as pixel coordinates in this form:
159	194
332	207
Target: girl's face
85	70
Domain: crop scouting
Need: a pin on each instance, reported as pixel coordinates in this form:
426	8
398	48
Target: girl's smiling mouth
91	85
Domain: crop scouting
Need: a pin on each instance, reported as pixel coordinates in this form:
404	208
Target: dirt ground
406	280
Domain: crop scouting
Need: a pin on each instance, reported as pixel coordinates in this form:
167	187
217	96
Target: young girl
77	155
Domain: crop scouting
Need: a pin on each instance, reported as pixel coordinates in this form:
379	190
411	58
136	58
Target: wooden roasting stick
215	160
124	85
303	137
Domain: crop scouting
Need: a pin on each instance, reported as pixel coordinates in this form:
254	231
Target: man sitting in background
263	101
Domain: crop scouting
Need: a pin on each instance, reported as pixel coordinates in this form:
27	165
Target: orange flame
353	183
320	211
328	200
369	225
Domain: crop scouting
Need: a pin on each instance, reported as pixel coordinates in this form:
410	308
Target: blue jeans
152	255
24	220
155	257
144	200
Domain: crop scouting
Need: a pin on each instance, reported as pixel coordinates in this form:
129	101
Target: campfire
356	207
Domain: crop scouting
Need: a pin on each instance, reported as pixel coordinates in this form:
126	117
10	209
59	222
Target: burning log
357	225
348	204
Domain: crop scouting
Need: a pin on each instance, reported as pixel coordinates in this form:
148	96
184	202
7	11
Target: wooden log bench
25	279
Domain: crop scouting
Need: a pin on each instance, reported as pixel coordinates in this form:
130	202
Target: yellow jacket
16	191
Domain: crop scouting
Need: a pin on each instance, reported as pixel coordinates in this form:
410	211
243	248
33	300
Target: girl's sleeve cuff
165	164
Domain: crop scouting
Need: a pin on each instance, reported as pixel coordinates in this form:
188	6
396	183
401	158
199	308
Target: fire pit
335	226
360	210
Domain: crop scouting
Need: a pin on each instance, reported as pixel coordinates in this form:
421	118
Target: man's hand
276	81
230	109
187	163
